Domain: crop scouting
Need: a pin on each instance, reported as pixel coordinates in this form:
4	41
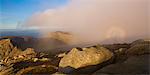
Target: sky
14	12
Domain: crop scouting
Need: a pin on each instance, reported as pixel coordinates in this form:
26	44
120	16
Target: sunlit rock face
5	48
106	21
78	58
16	61
10	54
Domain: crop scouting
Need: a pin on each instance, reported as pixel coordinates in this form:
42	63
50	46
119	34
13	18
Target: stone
40	69
21	42
20	62
61	55
140	41
7	70
78	58
17	55
62	36
133	65
114	47
57	73
120	55
5	48
139	49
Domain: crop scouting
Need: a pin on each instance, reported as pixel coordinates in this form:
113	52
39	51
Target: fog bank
105	21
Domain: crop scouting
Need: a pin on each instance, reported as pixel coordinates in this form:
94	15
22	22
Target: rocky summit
66	37
126	58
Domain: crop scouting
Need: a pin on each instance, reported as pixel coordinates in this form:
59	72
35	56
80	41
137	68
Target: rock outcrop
139	47
135	65
130	60
17	55
17	61
5	48
65	37
21	42
11	54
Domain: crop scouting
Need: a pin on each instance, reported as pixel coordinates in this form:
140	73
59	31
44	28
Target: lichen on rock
78	58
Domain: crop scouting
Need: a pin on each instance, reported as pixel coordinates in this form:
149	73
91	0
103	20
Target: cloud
94	20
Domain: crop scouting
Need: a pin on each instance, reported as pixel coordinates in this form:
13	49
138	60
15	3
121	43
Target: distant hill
19	32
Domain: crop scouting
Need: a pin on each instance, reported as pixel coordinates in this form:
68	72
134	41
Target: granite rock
78	58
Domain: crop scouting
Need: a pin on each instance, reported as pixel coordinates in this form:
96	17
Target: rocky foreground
131	58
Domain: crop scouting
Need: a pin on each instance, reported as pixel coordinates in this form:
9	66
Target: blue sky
13	12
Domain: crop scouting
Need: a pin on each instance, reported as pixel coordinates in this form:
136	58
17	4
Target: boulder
85	60
78	58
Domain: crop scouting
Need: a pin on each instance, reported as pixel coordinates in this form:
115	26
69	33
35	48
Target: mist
96	21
